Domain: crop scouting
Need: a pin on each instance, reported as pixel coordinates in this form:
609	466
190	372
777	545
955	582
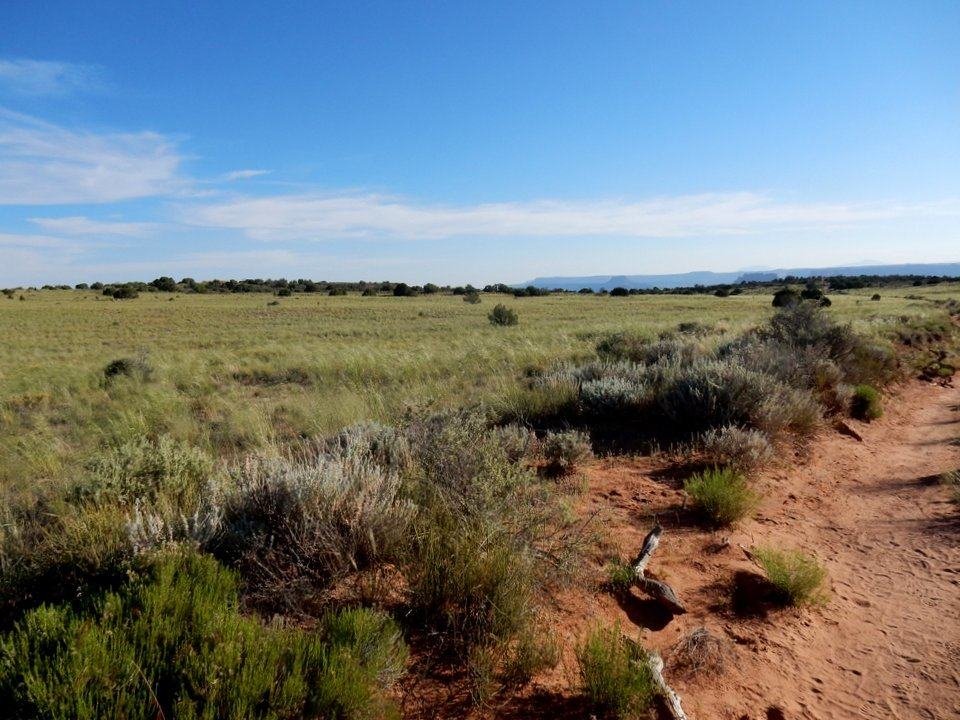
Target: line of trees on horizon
283	287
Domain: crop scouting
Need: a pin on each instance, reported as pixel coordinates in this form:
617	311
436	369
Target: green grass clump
797	577
722	496
615	674
174	644
620	576
532	653
865	404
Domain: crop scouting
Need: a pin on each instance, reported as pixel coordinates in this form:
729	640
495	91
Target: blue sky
473	142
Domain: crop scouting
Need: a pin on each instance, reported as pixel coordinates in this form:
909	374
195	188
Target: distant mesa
690	279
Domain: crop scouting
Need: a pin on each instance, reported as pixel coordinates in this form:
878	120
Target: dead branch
663	594
659	591
670	698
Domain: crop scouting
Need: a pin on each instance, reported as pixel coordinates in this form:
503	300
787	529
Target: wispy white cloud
34	241
44	164
81	225
46	77
245	174
322	217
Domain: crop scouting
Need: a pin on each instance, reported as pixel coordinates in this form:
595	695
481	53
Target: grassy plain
141	438
236	373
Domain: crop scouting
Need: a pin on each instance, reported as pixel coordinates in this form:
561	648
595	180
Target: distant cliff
608	282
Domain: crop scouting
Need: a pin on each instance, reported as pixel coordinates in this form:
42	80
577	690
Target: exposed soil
887	645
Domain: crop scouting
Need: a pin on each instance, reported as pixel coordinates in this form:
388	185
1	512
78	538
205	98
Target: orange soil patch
887	645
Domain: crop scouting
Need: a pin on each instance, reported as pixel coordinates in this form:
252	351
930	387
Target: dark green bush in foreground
173	644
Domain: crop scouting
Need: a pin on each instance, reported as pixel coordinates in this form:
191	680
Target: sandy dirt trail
887	645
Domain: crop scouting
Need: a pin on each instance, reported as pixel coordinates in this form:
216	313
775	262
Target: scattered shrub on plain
124	292
798	578
615	674
472	297
722	496
502	315
293	525
518	442
138	368
786	297
146	470
65	555
719	393
743	449
545	400
923	332
564	451
865	403
488	536
382	444
471	578
621	346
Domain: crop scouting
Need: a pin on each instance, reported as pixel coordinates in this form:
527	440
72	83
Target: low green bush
620	576
532	653
471	578
488	536
292	526
615	674
621	346
865	403
61	553
146	470
786	297
742	449
564	451
722	496
798	578
518	442
172	643
538	402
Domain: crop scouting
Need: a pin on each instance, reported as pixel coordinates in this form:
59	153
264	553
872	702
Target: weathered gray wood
650	543
662	593
670	698
659	591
